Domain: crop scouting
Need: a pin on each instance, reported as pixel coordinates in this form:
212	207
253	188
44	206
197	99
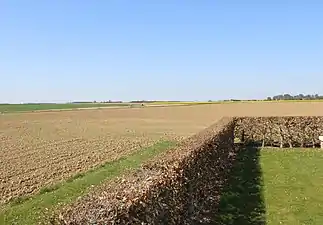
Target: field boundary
186	179
34	208
181	186
285	131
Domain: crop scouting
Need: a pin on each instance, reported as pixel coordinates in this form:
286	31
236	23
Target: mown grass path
274	186
293	186
32	210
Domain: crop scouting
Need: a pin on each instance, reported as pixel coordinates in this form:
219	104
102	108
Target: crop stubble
38	149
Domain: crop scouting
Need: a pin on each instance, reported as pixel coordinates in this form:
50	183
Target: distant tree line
295	97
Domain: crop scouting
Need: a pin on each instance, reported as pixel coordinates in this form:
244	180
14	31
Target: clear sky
65	50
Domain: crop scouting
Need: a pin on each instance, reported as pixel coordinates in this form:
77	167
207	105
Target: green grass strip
10	108
32	210
293	186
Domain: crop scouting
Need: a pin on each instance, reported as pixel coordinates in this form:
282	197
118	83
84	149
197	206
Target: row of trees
295	97
276	97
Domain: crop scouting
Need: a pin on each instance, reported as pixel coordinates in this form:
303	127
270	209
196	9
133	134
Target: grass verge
32	210
293	186
274	186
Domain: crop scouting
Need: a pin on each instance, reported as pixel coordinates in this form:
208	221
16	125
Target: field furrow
53	163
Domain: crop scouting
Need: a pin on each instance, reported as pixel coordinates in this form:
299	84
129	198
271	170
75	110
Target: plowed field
38	149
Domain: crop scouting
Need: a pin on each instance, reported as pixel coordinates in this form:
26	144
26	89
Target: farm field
9	108
34	107
274	186
41	149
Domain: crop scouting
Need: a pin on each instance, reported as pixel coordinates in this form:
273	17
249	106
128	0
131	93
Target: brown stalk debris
287	131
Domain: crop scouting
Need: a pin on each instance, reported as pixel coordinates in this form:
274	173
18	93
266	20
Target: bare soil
41	148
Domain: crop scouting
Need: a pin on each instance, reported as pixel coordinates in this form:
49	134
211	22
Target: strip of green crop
31	210
11	108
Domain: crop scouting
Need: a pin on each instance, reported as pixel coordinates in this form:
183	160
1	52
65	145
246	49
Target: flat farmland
42	148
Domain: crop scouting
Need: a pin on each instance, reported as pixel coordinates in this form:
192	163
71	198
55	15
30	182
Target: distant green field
48	106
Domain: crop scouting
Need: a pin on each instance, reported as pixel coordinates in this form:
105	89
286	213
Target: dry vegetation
38	149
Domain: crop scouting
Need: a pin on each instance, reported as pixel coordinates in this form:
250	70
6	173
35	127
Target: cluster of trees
295	97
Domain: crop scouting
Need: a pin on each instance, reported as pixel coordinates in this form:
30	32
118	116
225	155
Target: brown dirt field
42	148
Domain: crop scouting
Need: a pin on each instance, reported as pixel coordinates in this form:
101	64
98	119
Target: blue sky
67	50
